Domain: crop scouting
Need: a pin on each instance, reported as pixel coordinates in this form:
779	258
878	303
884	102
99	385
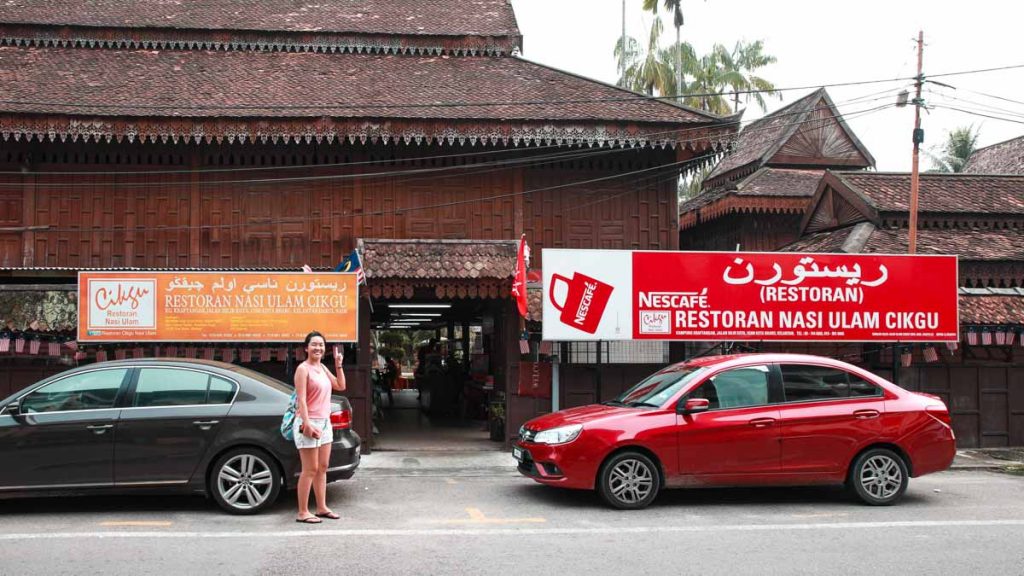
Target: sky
821	43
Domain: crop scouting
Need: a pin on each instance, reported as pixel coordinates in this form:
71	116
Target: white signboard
587	294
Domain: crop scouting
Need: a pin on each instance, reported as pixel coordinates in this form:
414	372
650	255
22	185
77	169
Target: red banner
535	379
791	296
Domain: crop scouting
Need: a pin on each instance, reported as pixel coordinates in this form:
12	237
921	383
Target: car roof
726	360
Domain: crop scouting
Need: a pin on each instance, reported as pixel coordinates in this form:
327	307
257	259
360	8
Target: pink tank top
318	392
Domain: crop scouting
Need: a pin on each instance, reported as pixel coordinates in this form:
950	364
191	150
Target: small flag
545	347
524	346
906	358
282	354
120	354
5	344
1000	338
171	351
264	354
300	354
1010	335
19	344
53	348
352	263
71	344
80	355
227	355
33	346
986	338
952	346
930	354
101	355
972	338
209	353
190	351
246	355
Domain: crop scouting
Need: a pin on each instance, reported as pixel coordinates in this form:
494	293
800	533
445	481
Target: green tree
954	153
676	7
746	59
644	71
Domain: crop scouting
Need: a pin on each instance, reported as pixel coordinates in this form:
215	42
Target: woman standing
313	432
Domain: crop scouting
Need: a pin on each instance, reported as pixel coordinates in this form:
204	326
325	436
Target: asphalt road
499	523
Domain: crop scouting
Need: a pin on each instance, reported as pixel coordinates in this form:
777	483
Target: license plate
517	454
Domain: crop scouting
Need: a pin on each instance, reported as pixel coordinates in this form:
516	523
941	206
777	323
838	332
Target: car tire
879	477
245	480
629	481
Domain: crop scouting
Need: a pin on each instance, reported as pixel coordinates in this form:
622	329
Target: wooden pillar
195	209
359	391
518	203
28	220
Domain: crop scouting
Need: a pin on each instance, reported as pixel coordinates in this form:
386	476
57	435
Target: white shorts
303	441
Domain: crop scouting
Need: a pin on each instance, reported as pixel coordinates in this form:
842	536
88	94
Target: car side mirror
694	405
14	409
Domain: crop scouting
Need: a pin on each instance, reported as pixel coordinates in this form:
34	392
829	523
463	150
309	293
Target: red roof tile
991	309
972	244
396	17
939	192
1003	158
182	85
761	139
467	259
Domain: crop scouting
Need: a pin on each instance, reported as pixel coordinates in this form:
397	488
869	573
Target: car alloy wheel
245	481
879	477
629	481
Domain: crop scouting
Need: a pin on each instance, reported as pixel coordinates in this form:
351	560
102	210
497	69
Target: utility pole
918	139
622	58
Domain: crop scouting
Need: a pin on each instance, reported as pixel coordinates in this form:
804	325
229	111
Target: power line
980	114
526	160
675	167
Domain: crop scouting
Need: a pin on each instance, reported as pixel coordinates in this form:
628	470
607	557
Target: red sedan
743	420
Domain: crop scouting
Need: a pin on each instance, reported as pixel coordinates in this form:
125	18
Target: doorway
435	375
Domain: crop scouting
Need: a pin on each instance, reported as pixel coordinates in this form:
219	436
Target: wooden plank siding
263	217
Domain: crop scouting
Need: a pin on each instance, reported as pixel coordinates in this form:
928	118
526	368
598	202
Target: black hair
312	335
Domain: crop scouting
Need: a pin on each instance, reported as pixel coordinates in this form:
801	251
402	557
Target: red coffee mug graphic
584	304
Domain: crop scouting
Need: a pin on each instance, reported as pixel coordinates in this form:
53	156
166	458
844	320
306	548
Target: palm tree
643	70
676	6
747	59
709	76
956	151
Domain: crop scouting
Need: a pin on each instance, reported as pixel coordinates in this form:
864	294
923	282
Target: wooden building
819	204
244	135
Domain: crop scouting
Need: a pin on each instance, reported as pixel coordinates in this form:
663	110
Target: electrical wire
526	160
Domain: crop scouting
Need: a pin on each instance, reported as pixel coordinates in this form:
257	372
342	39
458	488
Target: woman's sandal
329	515
308	520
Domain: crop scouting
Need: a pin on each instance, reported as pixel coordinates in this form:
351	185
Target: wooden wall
249	210
752	232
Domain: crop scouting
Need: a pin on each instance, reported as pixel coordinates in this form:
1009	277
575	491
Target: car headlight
559	435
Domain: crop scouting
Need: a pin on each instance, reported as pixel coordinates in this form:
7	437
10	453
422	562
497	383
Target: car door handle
100	428
762	422
866	414
206	424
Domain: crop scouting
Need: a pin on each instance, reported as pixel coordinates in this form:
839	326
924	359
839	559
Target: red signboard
791	296
749	296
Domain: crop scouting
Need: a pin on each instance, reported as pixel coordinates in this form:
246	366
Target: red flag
519	283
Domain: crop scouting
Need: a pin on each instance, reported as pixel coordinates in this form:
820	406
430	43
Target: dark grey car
160	424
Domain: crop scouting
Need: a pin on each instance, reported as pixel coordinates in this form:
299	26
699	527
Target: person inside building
313	434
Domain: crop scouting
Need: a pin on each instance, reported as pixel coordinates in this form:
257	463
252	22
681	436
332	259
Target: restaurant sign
749	296
215	306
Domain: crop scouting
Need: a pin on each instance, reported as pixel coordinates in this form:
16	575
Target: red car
743	420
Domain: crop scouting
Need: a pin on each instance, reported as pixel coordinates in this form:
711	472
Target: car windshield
657	388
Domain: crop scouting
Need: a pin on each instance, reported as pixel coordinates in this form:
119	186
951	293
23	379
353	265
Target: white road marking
610	530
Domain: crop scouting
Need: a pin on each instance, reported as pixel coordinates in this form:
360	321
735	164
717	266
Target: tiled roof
147	94
1003	158
980	308
755	191
781	182
970	244
803	128
940	192
467	259
399	17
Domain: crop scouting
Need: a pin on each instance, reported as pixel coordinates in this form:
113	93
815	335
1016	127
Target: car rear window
805	383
